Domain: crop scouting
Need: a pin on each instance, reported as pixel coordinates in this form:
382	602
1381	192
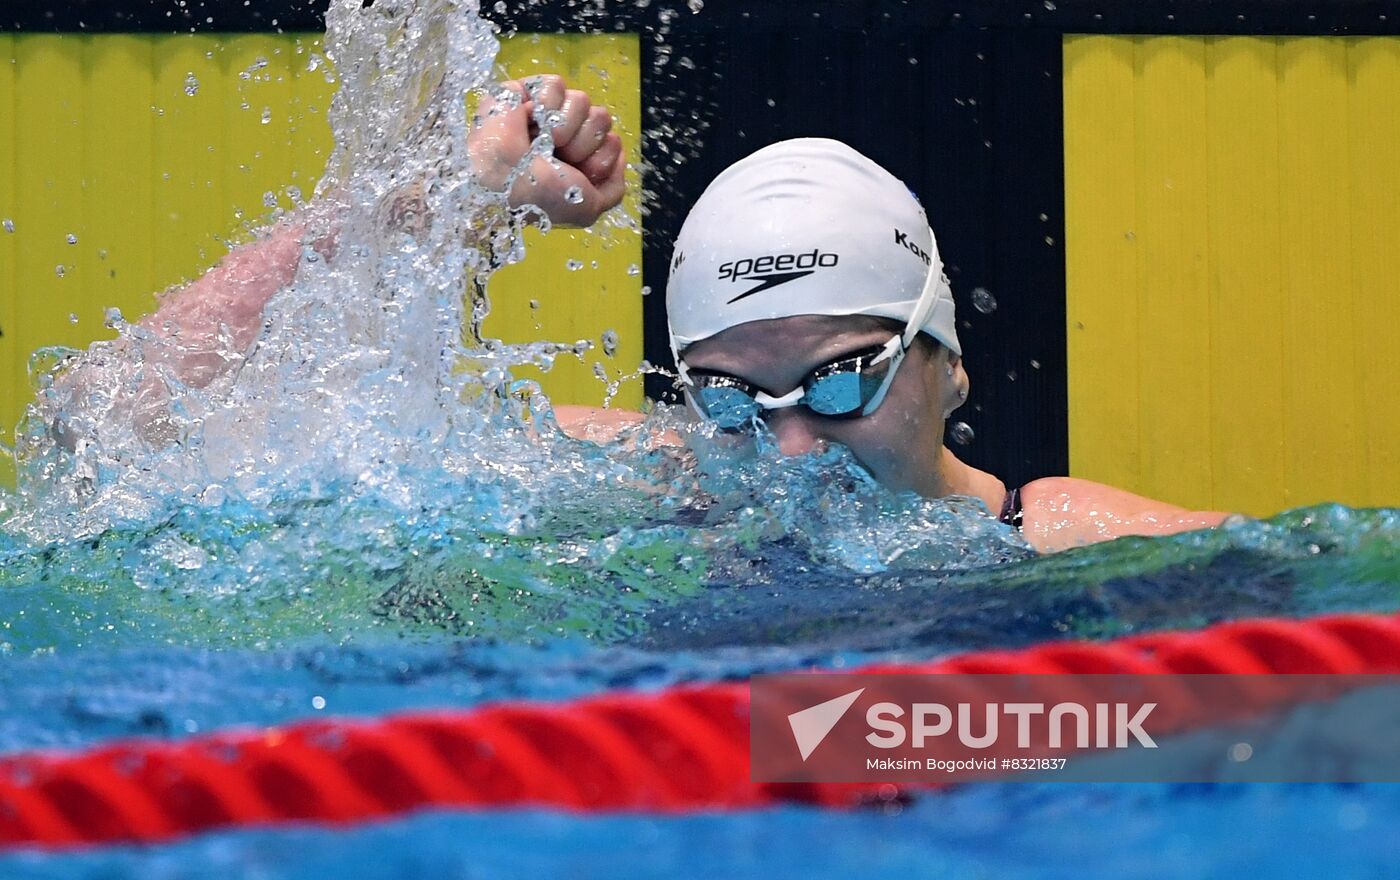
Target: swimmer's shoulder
599	425
1063	512
594	422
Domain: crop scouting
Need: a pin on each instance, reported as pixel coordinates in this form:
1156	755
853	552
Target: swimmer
806	296
806	292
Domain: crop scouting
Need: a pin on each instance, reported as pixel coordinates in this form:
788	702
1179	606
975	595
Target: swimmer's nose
795	433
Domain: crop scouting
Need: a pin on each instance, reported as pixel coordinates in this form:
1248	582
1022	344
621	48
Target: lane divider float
672	751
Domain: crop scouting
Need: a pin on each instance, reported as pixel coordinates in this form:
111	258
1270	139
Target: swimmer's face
899	443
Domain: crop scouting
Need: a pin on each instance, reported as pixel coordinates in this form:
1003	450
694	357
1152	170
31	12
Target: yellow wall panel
10	375
1173	248
1262	202
190	209
1246	303
118	245
310	132
1101	266
1373	112
1320	405
153	152
257	113
48	151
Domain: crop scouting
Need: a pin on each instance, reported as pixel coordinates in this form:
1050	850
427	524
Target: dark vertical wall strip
971	120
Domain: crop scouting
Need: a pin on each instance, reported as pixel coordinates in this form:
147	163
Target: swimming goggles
850	387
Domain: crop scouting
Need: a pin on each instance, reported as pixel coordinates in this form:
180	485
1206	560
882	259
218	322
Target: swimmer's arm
196	333
220	314
1064	512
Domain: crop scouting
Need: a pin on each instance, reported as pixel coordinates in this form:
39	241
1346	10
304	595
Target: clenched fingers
574	112
605	162
546	91
587	139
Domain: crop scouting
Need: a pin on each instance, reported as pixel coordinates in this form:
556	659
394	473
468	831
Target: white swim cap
806	227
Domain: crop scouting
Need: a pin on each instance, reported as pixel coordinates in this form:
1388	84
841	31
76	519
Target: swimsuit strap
1011	509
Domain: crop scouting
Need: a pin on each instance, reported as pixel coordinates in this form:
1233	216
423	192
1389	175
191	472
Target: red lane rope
681	749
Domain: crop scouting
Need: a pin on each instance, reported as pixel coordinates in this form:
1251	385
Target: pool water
368	513
168	681
1021	831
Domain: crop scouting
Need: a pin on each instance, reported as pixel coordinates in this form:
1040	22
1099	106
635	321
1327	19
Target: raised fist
580	181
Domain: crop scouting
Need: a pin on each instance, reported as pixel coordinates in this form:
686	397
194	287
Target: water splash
372	450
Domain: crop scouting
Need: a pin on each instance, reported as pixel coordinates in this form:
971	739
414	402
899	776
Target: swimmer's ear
955	392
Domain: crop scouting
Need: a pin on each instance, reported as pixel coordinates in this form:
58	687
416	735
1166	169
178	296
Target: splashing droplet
610	343
983	301
574	265
270	199
573	195
646	290
8	224
112	318
71	238
695	5
72	317
60	271
634	270
962	433
266	115
191	84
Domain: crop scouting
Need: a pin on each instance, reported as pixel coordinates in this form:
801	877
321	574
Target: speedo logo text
774	269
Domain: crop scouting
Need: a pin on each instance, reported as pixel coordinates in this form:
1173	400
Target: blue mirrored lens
835	394
726	406
844	392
